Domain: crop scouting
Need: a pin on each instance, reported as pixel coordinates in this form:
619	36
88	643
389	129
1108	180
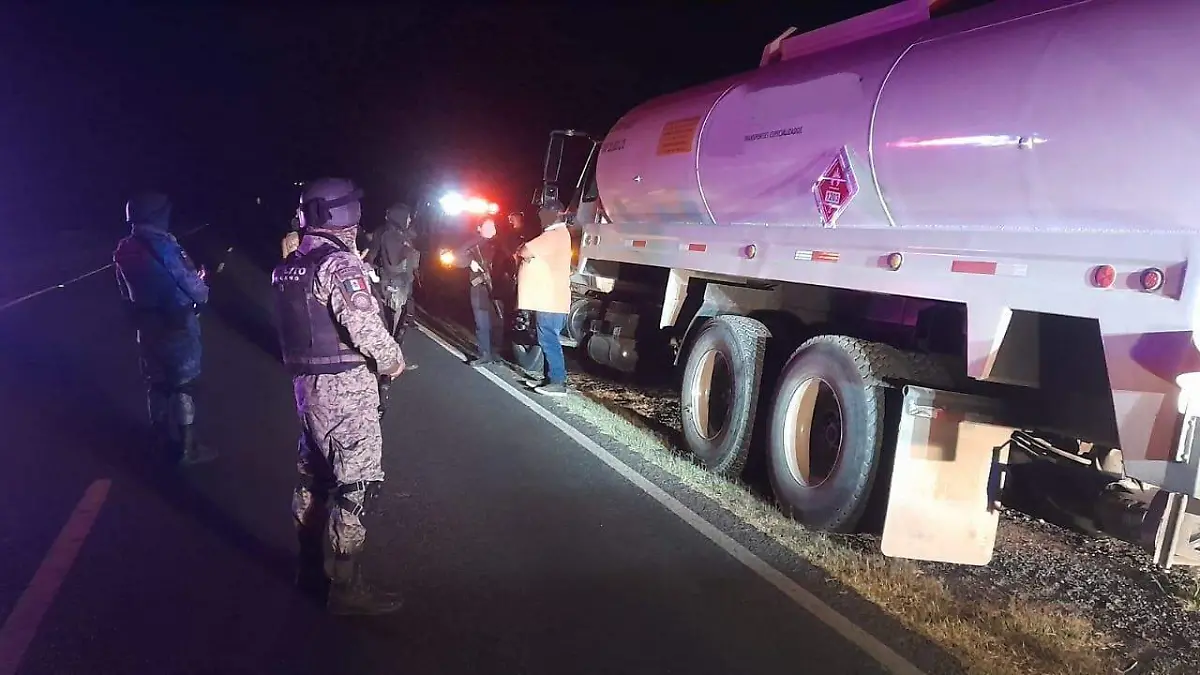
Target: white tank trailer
908	258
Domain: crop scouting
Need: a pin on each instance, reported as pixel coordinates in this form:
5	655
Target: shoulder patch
361	302
356	284
352	283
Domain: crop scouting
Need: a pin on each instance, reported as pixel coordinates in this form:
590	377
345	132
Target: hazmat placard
678	136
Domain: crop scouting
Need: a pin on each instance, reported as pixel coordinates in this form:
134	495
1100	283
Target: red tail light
1152	279
1104	276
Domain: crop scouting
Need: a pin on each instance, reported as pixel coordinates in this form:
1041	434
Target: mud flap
1173	530
950	460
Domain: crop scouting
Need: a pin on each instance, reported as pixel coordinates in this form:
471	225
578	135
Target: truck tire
529	358
827	427
719	396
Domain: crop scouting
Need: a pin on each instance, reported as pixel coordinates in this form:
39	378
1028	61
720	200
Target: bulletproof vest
311	340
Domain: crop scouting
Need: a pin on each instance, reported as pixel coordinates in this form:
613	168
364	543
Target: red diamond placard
835	188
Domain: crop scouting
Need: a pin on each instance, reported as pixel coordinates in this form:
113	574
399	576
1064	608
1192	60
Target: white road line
429	333
883	654
22	624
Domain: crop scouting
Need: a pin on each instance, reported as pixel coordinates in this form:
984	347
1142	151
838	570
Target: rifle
487	280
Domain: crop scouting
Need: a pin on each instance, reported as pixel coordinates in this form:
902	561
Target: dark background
221	104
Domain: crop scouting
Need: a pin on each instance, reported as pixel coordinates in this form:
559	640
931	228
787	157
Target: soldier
335	344
395	257
164	292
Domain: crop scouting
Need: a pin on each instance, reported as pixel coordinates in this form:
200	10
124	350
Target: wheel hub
813	435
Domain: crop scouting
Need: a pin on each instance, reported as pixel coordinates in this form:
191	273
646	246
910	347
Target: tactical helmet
330	204
400	215
148	208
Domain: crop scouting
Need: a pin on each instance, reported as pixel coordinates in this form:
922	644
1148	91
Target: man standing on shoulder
335	344
477	256
544	287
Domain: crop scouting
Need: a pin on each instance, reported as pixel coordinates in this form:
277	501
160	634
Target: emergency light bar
453	204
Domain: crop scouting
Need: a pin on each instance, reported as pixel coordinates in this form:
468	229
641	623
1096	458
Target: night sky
220	104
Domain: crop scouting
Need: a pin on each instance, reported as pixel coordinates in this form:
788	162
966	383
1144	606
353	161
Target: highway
521	546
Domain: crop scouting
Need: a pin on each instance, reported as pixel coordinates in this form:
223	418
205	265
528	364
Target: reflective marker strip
973	267
817	256
694	248
641	243
989	268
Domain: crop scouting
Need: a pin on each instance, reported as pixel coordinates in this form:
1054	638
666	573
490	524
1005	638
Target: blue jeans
549	325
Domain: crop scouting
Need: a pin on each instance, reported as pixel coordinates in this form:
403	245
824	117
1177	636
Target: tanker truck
910	256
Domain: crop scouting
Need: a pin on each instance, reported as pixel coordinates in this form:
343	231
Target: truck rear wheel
719	397
826	430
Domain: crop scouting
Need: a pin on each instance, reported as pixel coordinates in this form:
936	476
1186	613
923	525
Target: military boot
194	452
349	594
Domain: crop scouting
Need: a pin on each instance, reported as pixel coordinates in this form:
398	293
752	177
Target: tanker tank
1021	115
988	213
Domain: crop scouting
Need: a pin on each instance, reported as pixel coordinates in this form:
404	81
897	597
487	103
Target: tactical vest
311	340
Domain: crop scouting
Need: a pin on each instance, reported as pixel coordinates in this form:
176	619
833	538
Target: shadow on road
72	390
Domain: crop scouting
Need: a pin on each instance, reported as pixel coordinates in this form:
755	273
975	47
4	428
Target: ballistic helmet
330	204
400	215
148	208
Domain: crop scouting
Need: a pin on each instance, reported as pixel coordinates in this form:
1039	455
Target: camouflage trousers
340	458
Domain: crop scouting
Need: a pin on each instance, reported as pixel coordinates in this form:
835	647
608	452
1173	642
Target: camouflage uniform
342	445
335	343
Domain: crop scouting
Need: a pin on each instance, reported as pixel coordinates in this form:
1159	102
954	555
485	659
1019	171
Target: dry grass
1189	591
1021	638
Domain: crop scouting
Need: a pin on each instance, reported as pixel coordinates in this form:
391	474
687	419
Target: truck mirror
554	158
549	194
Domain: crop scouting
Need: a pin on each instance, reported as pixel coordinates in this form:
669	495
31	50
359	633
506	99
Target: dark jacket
155	274
394	254
482	251
164	292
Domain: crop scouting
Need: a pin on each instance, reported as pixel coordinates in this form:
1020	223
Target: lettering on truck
613	146
777	133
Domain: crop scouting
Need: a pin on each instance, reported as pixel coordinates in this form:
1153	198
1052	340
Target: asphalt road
517	551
